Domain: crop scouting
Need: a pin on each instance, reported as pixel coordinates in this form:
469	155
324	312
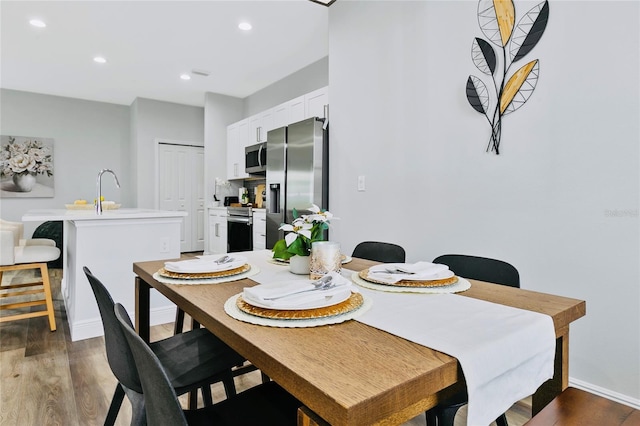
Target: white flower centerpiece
301	234
22	161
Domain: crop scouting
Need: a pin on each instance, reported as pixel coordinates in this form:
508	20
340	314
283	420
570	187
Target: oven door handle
235	219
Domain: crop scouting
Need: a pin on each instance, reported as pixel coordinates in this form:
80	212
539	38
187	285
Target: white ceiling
149	44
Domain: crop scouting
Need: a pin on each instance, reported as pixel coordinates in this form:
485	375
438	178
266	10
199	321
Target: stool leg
47	296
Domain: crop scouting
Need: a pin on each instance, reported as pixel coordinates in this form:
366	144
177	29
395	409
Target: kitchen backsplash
251	185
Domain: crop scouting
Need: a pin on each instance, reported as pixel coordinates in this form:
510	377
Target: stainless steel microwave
255	159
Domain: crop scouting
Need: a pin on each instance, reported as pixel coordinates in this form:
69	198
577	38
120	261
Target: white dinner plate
206	264
379	270
322	303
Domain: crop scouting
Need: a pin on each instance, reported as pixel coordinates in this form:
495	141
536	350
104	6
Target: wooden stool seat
575	407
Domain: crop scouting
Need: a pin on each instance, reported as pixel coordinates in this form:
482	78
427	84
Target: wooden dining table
351	373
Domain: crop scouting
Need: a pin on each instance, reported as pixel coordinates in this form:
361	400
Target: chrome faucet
99	188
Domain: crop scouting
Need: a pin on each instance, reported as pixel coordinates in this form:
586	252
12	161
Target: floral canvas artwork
26	167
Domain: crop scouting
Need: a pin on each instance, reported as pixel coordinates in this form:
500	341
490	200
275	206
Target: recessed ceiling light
185	77
100	60
37	23
244	26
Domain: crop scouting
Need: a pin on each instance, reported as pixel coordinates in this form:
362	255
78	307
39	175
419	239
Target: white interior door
181	188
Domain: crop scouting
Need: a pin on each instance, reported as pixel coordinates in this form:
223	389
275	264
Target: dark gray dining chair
266	404
192	360
481	269
380	252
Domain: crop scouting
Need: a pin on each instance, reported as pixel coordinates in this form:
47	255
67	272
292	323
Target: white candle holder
325	257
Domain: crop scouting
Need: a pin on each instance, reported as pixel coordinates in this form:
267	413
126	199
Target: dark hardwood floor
46	379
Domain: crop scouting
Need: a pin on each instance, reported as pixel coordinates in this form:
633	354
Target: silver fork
323	283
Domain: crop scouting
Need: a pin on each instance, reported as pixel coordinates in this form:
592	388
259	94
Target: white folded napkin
391	273
205	264
290	297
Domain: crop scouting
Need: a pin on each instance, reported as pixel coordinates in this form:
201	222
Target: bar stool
16	255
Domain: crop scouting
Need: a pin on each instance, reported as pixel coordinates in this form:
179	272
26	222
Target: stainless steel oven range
239	229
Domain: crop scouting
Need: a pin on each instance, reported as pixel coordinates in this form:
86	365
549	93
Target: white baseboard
88	329
605	393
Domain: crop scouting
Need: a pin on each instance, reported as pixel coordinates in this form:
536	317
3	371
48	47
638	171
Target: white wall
221	111
164	120
88	136
569	157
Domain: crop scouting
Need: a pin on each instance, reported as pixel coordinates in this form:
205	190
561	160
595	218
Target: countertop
127	213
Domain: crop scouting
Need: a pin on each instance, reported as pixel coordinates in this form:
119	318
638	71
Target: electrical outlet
164	245
361	184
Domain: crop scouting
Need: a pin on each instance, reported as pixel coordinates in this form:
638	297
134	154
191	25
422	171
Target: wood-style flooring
46	379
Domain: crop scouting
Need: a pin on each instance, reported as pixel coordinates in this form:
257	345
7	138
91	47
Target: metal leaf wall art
496	19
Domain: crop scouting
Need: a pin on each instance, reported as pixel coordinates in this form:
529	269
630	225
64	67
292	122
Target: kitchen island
108	244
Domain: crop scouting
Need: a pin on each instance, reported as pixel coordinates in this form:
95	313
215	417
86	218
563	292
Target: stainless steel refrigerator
297	173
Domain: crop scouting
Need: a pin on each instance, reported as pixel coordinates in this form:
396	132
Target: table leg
142	308
560	381
306	417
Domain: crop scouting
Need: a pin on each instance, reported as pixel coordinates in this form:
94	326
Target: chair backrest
481	269
118	353
161	403
380	252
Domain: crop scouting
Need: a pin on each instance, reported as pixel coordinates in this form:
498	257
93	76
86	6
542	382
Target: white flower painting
26	167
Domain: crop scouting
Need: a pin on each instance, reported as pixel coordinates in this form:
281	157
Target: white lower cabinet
217	230
259	229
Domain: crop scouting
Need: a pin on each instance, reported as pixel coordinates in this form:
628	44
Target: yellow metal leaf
514	84
506	16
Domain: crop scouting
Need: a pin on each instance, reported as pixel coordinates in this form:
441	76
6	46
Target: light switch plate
361	183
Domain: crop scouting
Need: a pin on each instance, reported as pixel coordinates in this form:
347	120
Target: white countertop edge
126	213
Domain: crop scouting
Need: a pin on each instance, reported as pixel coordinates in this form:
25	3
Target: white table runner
505	353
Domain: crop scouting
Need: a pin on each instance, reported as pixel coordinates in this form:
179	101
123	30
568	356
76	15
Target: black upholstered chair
380	252
265	404
481	269
192	360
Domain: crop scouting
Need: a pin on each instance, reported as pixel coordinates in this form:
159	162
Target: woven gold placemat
196	276
352	303
364	274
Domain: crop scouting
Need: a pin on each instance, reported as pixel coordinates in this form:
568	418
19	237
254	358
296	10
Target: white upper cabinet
237	137
259	125
288	112
254	129
317	103
296	110
280	115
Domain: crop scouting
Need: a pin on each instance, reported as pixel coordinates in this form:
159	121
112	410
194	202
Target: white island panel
108	245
